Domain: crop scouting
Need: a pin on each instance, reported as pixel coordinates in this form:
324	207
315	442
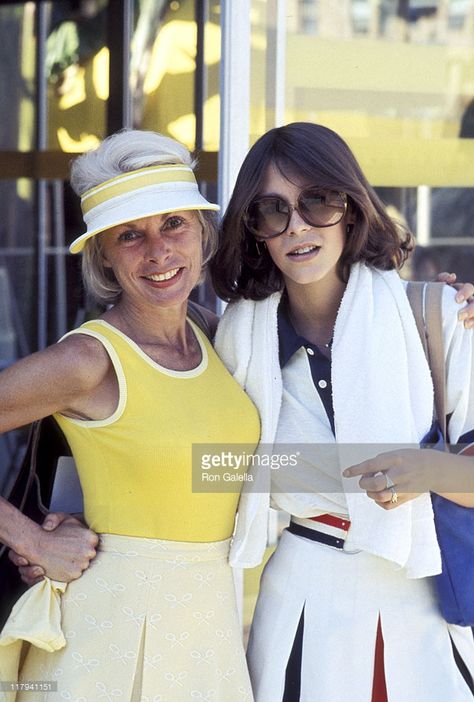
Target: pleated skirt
149	621
342	595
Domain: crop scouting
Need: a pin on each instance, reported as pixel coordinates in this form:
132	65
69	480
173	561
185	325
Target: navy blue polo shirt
289	342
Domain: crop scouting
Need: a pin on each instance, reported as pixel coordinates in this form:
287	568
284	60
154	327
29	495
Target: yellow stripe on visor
128	182
137	194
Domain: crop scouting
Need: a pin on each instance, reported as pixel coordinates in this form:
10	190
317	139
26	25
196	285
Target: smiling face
156	259
304	254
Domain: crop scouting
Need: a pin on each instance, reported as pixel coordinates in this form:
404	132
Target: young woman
320	334
154	617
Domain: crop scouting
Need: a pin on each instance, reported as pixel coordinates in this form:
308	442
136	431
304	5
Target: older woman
154	616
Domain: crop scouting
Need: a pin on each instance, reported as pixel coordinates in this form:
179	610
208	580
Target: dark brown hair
317	156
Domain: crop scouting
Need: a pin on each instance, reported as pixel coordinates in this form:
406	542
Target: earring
349	229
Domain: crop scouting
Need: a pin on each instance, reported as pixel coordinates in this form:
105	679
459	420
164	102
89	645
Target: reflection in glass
396	79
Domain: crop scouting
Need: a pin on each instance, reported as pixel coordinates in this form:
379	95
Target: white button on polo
322	384
310	352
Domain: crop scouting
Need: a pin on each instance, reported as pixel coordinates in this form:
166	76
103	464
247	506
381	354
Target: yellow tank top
135	467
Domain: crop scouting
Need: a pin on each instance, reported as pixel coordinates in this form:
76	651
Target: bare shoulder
210	317
77	363
52	380
85	356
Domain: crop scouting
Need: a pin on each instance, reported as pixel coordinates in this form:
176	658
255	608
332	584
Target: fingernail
470	324
459	297
346	473
462	315
48	525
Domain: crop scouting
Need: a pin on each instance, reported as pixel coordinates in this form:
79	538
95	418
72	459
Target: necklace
325	348
327	345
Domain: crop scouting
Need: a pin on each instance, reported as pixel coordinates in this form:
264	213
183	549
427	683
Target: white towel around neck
382	394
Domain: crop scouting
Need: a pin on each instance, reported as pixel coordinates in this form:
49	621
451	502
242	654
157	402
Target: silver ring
394	498
388	481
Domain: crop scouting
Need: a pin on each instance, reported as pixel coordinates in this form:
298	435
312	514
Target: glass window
396	79
164	66
77	65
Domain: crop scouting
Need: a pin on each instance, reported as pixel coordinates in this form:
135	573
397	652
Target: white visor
136	194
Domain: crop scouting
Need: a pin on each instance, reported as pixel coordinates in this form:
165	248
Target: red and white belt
325	528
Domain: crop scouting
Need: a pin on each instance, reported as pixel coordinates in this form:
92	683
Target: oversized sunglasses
269	216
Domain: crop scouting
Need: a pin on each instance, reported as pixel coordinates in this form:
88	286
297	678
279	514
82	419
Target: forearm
17	531
454	478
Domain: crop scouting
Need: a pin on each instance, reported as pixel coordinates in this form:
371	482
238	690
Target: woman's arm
413	472
67	377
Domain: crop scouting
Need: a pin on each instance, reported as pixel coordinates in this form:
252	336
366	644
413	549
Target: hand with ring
395	477
391	486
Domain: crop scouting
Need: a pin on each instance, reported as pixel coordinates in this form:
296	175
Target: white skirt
343	594
149	621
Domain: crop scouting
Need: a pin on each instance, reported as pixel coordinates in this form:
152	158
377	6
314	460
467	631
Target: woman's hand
62	550
396	477
465	294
